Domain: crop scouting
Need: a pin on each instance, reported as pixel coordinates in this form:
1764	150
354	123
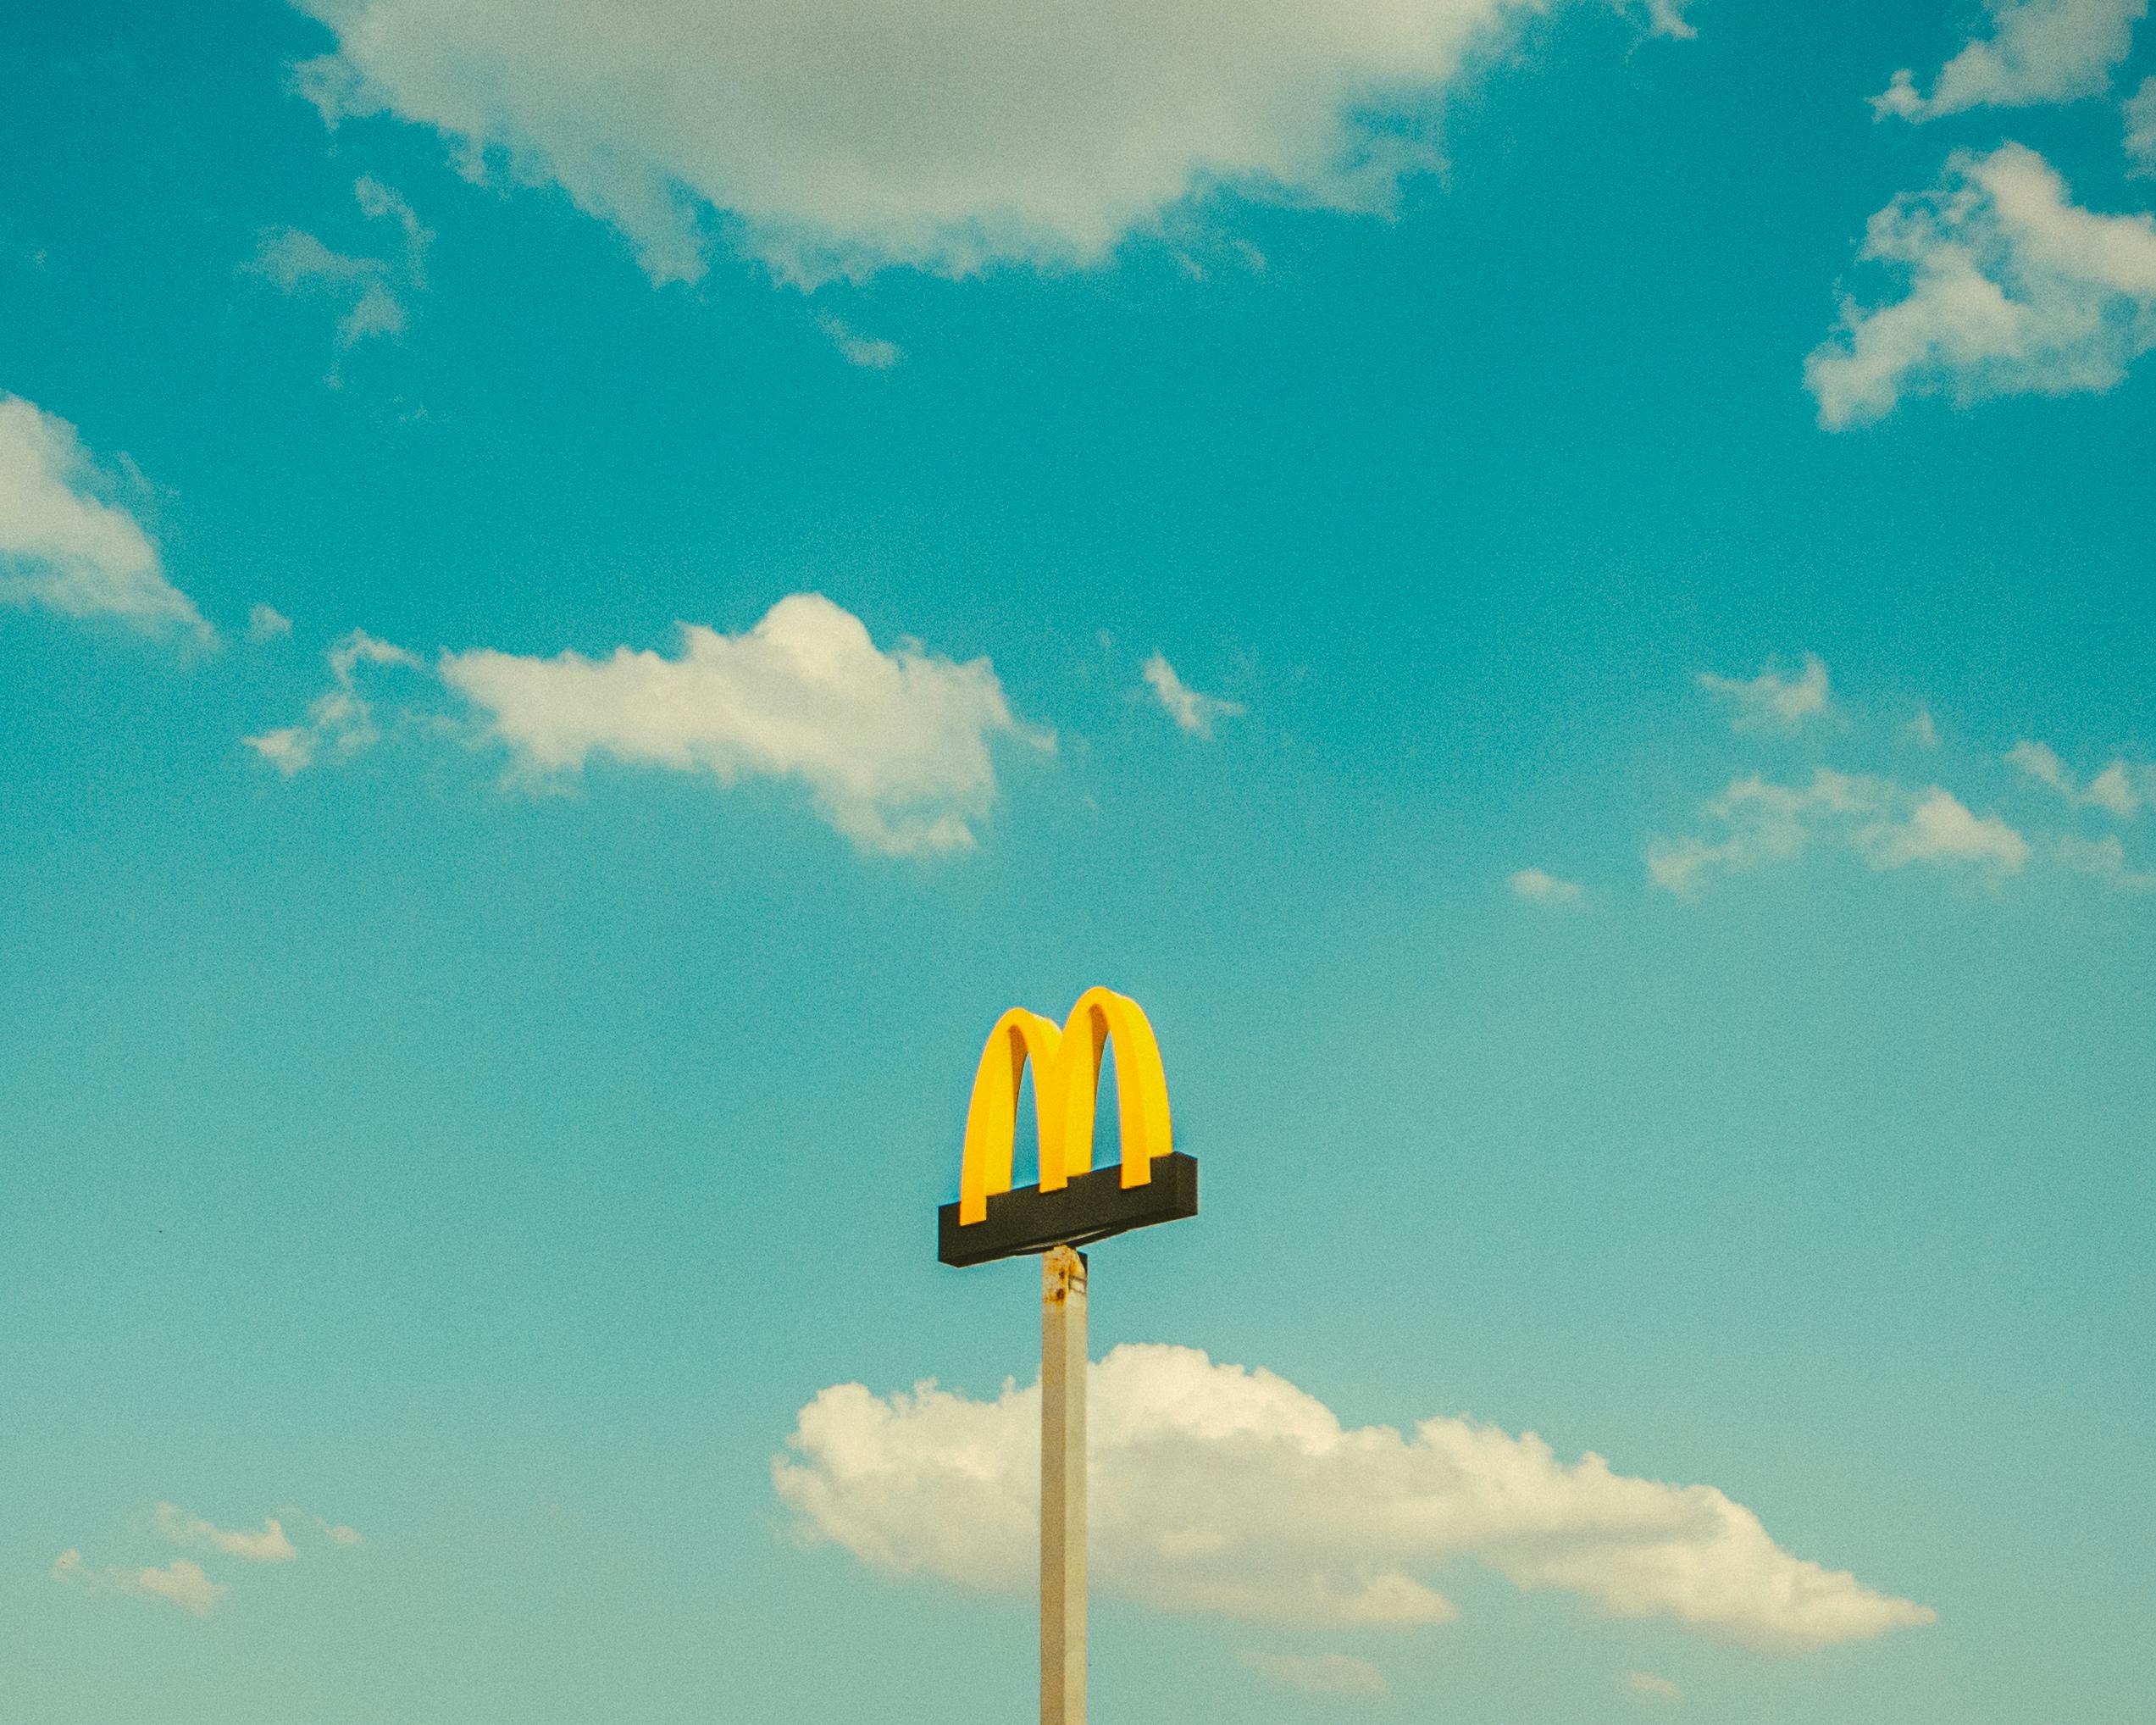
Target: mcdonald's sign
1074	1202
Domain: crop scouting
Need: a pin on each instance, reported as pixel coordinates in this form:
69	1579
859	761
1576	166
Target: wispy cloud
870	352
373	293
2012	289
2117	790
181	1582
1759	823
2038	51
1334	1674
66	545
267	623
270	1545
1921	730
340	721
2141	130
1772	701
1645	1683
1228	1491
1539	886
1193	713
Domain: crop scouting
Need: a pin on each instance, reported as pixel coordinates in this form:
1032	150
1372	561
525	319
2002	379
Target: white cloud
1770	701
270	1545
1222	1490
340	721
181	1582
1920	731
267	623
1889	827
2117	790
340	1534
1540	886
1193	712
2039	51
1645	1683
871	353
836	139
2105	859
2012	289
894	746
2140	130
372	291
1321	1674
63	545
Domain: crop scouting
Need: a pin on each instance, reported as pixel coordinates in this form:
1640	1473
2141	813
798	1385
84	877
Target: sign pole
1062	1487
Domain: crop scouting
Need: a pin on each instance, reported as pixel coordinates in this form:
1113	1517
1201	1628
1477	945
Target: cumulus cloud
270	1545
1887	826
340	723
2038	51
1219	1490
2115	790
1193	712
181	1582
65	545
1540	886
893	746
830	139
2140	130
1770	701
1645	1683
1321	1674
2012	288
371	293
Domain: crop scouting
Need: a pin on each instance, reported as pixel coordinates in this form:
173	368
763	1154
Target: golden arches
1066	1082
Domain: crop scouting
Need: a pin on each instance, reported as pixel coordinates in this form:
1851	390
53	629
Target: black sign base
1091	1207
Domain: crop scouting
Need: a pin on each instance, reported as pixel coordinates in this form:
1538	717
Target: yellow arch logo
1066	1083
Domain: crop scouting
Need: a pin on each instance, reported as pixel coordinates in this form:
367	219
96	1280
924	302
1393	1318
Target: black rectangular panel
1091	1206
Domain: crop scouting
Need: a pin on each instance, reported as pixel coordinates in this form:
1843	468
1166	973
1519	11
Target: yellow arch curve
1066	1083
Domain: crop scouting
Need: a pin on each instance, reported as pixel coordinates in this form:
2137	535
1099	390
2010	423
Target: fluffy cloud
2140	130
893	746
830	139
2012	289
1887	826
1218	1489
371	292
2115	789
340	721
2038	51
1770	701
1540	886
268	1546
65	545
1320	1674
1193	712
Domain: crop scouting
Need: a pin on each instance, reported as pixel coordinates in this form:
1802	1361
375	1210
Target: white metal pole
1062	1487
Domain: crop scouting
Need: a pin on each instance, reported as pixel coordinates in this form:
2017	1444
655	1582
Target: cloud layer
64	546
1219	1490
2012	288
836	139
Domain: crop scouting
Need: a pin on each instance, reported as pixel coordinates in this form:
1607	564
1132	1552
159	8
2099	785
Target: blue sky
1562	594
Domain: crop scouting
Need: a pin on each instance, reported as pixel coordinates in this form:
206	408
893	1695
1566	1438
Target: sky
1562	592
